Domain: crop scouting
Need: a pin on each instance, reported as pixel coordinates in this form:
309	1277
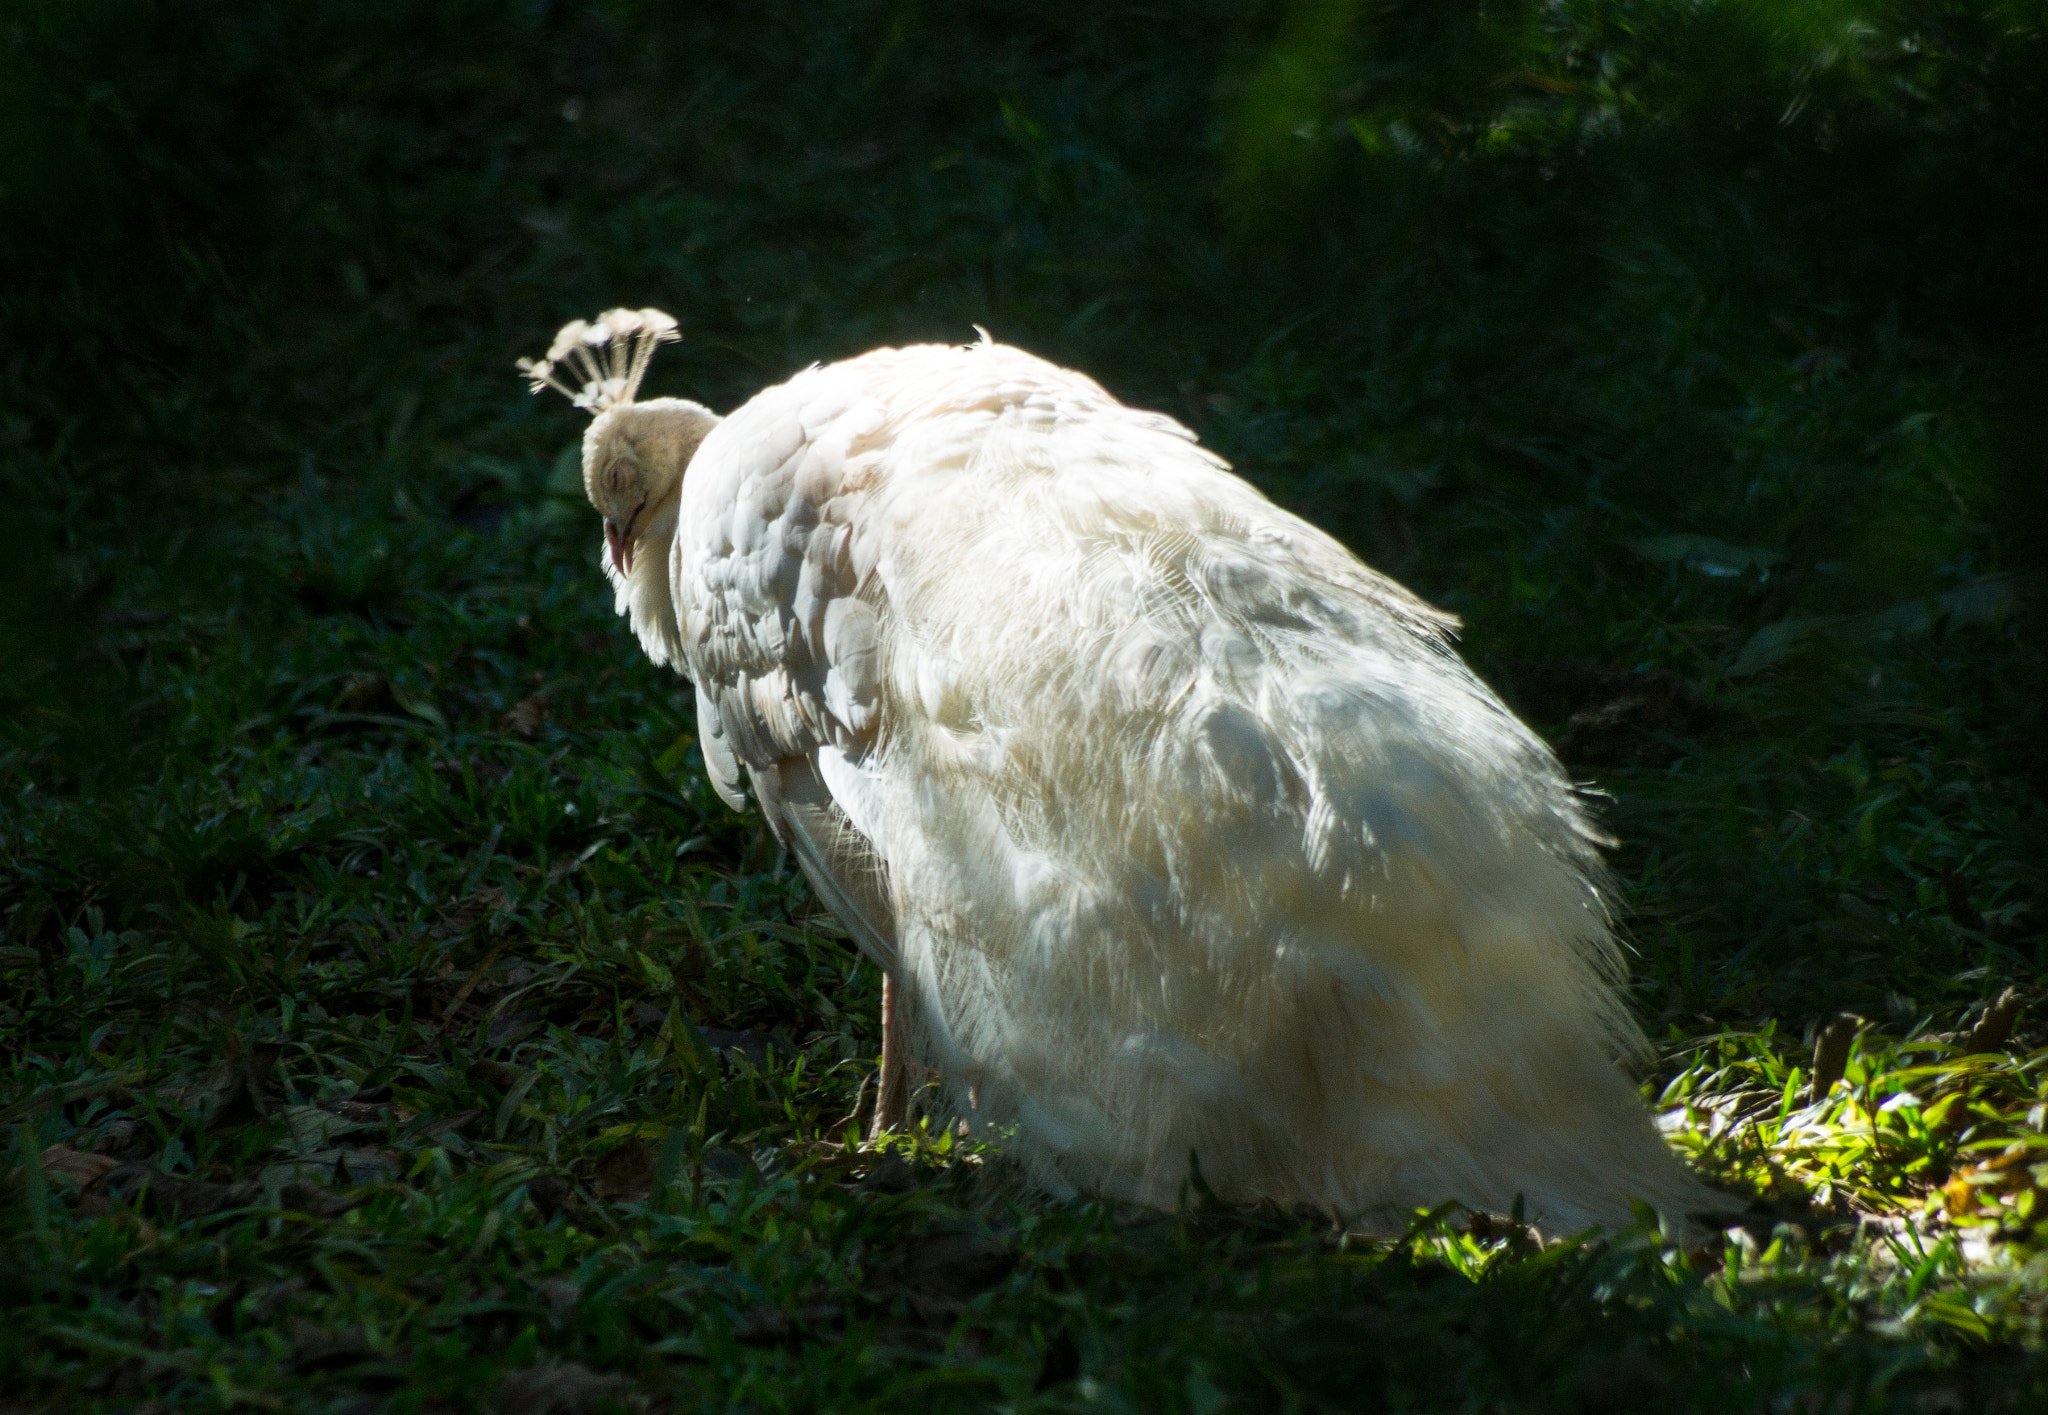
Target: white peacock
1176	829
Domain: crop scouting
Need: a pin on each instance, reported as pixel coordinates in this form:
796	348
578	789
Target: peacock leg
893	1099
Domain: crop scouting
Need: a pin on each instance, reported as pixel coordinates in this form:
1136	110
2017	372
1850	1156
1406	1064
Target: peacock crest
611	353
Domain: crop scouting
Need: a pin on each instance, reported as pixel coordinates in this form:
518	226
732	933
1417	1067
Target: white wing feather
1190	832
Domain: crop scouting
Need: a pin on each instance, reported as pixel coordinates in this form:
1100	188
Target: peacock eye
618	474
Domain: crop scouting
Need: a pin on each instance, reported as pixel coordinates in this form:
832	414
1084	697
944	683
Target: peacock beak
616	544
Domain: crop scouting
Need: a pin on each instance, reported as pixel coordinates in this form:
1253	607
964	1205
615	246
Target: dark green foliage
390	1015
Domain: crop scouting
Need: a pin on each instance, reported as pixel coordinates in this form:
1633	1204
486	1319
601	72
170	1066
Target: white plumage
1177	828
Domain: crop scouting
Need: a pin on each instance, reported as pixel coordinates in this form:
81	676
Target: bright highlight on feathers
1178	831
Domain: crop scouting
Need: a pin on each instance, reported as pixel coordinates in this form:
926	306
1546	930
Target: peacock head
634	454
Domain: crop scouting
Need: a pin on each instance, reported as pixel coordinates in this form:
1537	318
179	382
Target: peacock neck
645	594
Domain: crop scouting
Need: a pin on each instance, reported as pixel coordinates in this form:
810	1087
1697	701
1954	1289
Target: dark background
1496	292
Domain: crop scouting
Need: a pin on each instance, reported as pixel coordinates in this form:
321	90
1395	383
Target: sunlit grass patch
1918	1161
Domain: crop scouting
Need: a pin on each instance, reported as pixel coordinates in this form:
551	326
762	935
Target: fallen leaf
627	1173
1978	1190
166	1196
356	1112
74	1169
448	1126
317	1349
365	692
496	1073
549	1192
1614	716
68	1166
315	1126
506	1029
557	1388
316	1202
463	915
247	1096
527	716
336	1166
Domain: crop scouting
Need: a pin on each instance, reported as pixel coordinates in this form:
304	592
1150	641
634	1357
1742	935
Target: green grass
392	1017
